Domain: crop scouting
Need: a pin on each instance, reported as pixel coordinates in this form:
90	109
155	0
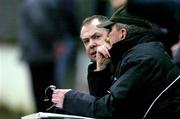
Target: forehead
90	29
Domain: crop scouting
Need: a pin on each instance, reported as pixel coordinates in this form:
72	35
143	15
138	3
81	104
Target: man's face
115	35
118	3
92	37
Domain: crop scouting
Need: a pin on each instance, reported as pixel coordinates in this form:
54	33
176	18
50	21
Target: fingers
64	91
102	57
104	50
58	97
57	91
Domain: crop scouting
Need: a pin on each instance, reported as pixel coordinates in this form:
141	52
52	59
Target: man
139	54
93	37
98	74
142	71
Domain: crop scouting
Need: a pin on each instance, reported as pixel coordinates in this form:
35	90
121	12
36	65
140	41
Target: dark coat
99	82
143	69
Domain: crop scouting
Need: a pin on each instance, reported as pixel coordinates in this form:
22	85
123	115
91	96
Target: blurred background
16	95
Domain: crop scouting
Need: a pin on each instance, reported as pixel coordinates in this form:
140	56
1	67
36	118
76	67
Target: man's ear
124	33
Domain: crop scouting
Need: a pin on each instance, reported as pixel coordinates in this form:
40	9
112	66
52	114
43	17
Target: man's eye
97	37
85	41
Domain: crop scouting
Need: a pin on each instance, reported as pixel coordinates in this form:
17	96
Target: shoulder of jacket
144	51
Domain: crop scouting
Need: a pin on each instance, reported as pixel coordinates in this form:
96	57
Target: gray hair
131	28
88	20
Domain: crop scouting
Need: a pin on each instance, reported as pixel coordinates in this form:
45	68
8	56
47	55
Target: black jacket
99	82
142	70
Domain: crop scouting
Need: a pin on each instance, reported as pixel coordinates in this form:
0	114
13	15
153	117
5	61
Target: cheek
87	49
113	39
111	42
100	42
88	53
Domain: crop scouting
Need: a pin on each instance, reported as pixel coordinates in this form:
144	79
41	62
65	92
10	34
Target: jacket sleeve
117	101
82	104
99	82
79	103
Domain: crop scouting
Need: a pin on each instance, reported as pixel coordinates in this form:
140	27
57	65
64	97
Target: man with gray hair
145	80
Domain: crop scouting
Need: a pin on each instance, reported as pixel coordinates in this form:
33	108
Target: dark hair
88	20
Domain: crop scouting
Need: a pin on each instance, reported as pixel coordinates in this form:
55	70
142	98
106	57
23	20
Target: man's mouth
93	53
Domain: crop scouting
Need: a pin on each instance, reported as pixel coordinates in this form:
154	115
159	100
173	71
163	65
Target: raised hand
102	56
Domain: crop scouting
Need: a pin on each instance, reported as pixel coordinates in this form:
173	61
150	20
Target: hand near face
58	97
102	56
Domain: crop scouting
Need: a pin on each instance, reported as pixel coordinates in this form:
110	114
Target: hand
102	56
58	97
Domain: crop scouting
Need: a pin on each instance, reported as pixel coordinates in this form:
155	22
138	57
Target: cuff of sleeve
78	103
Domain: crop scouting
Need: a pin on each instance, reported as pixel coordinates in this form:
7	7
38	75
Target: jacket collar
119	48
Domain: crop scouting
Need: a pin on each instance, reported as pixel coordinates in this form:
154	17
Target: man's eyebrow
96	33
84	39
90	36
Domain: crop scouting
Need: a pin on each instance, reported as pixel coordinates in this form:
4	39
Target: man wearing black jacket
142	74
93	37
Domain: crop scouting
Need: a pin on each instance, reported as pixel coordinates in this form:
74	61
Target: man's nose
92	43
